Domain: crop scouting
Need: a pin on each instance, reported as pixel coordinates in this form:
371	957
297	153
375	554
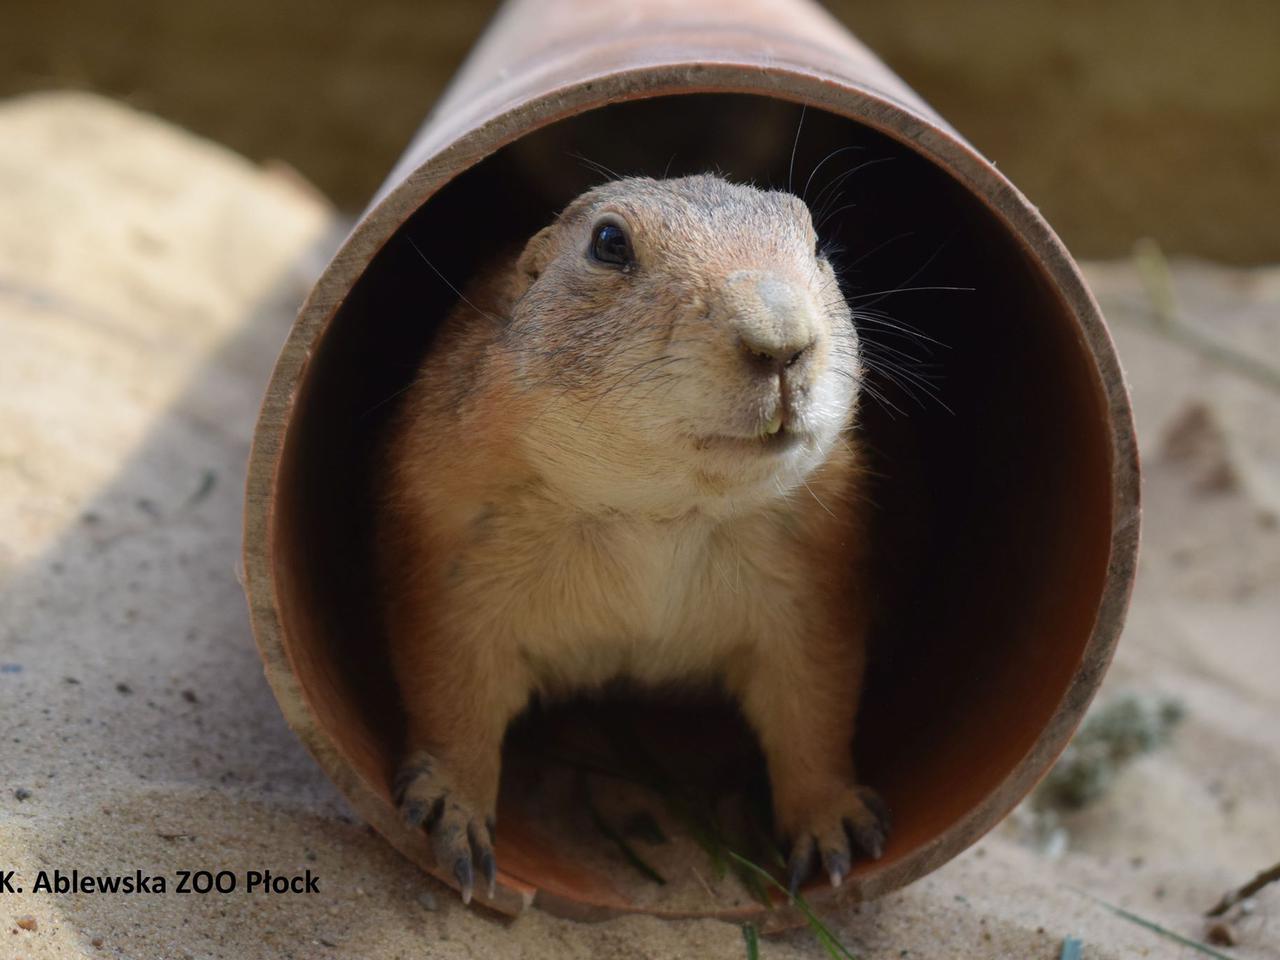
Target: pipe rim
504	123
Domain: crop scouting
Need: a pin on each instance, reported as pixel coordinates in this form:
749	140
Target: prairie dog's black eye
611	245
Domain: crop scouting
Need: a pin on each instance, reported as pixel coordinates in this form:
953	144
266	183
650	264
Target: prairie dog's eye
610	244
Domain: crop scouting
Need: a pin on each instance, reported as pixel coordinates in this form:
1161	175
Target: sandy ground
146	281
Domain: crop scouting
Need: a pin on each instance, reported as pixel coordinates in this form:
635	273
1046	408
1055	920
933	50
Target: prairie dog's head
686	345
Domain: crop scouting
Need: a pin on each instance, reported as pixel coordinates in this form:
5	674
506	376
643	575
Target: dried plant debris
1112	736
1221	934
1229	900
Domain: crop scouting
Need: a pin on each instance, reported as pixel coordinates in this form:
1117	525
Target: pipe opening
992	508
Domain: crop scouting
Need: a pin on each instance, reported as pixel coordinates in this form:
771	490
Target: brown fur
578	487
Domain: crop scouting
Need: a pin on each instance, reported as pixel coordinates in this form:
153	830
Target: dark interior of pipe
993	504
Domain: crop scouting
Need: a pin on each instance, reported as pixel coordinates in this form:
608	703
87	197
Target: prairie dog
627	454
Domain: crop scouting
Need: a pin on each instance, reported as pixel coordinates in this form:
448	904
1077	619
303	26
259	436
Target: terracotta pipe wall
1018	479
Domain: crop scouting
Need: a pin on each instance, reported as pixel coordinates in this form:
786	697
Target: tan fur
562	507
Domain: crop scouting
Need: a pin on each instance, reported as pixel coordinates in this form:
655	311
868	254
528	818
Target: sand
147	279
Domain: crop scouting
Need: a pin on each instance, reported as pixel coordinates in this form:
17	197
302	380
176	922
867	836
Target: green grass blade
752	938
825	937
759	892
1157	929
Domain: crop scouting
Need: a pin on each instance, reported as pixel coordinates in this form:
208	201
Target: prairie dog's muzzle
771	320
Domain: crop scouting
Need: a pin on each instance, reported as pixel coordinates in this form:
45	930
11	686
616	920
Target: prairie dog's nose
771	319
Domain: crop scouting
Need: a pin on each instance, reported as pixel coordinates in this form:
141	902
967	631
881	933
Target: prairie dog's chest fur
582	599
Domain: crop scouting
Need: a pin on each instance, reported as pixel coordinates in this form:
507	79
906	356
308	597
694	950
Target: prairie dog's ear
535	256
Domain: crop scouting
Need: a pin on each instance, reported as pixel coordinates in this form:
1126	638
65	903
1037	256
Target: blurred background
1155	118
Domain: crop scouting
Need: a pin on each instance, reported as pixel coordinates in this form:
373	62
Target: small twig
1160	315
1208	346
705	886
1229	900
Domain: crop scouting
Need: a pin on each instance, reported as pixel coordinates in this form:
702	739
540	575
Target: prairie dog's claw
463	874
461	837
870	831
800	863
852	821
867	837
482	844
836	863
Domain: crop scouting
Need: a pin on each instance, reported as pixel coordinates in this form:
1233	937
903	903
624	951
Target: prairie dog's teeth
774	425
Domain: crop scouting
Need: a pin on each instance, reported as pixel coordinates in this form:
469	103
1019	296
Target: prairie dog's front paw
461	833
838	825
